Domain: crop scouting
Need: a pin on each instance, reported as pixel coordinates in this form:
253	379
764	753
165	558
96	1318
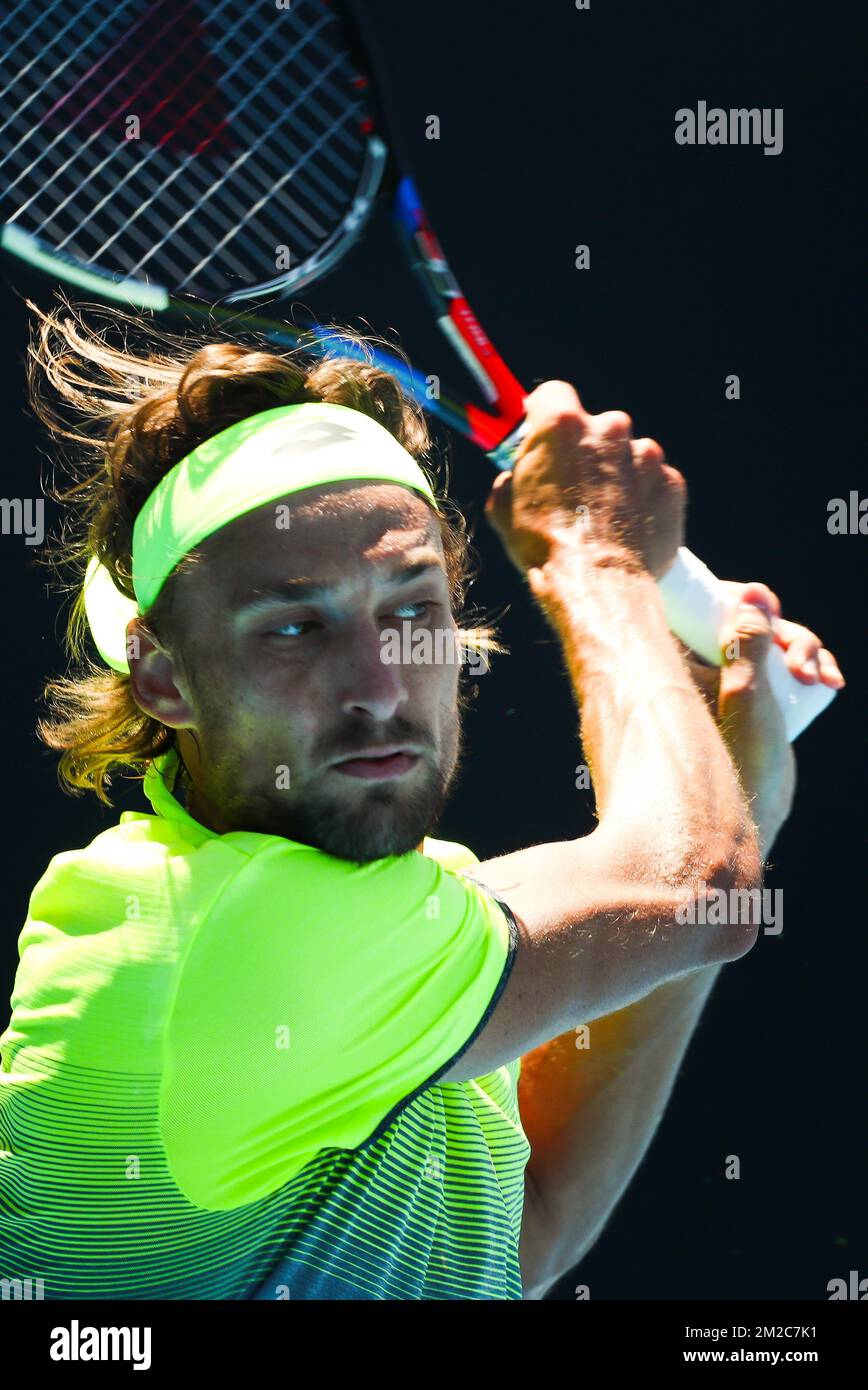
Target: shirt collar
159	780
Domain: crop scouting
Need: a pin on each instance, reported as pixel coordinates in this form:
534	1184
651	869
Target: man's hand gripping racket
586	475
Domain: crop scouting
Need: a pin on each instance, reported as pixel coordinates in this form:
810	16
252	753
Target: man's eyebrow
302	589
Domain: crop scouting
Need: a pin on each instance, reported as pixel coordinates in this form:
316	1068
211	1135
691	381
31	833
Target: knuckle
615	423
648	450
565	414
555	396
563	423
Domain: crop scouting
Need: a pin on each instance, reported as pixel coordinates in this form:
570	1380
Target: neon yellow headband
254	461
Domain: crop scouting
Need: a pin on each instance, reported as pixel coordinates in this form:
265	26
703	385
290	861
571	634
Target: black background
557	129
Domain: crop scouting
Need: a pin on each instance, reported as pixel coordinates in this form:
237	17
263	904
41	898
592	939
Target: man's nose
365	679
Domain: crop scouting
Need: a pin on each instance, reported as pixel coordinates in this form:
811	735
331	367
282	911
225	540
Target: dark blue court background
557	129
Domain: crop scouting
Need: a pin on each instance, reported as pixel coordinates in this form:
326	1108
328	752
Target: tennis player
266	1036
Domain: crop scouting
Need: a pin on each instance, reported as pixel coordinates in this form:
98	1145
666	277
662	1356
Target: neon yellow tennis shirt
219	1079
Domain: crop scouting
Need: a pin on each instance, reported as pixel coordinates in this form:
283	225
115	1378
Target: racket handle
697	606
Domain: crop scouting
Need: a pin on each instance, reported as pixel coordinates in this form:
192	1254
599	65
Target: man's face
273	687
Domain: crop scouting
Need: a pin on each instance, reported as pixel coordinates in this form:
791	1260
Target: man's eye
308	623
281	631
426	604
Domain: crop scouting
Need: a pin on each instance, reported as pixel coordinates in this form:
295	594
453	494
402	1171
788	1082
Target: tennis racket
198	159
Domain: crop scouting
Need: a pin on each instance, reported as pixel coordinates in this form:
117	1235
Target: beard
374	821
366	821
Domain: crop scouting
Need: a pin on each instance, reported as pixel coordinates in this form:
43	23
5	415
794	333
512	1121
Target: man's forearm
590	1114
664	783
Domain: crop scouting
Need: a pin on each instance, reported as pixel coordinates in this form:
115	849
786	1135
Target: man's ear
158	687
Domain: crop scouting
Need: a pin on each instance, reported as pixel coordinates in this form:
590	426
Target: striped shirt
219	1077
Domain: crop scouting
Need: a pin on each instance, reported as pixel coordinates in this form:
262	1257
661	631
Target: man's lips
374	764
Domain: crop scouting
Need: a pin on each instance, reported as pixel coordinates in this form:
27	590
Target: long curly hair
120	417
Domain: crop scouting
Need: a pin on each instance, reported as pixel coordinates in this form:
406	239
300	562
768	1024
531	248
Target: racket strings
314	232
65	94
287	105
152	75
202	206
81	188
19	74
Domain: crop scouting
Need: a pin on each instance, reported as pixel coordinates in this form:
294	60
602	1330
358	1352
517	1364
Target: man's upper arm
590	941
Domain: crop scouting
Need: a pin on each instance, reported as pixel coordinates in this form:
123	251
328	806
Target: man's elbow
537	1247
538	1282
551	1247
730	895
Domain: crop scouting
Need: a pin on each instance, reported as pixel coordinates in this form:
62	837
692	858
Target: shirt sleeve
316	999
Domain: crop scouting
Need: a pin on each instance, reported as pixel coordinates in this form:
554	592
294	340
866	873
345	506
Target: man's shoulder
450	854
140	855
171	870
